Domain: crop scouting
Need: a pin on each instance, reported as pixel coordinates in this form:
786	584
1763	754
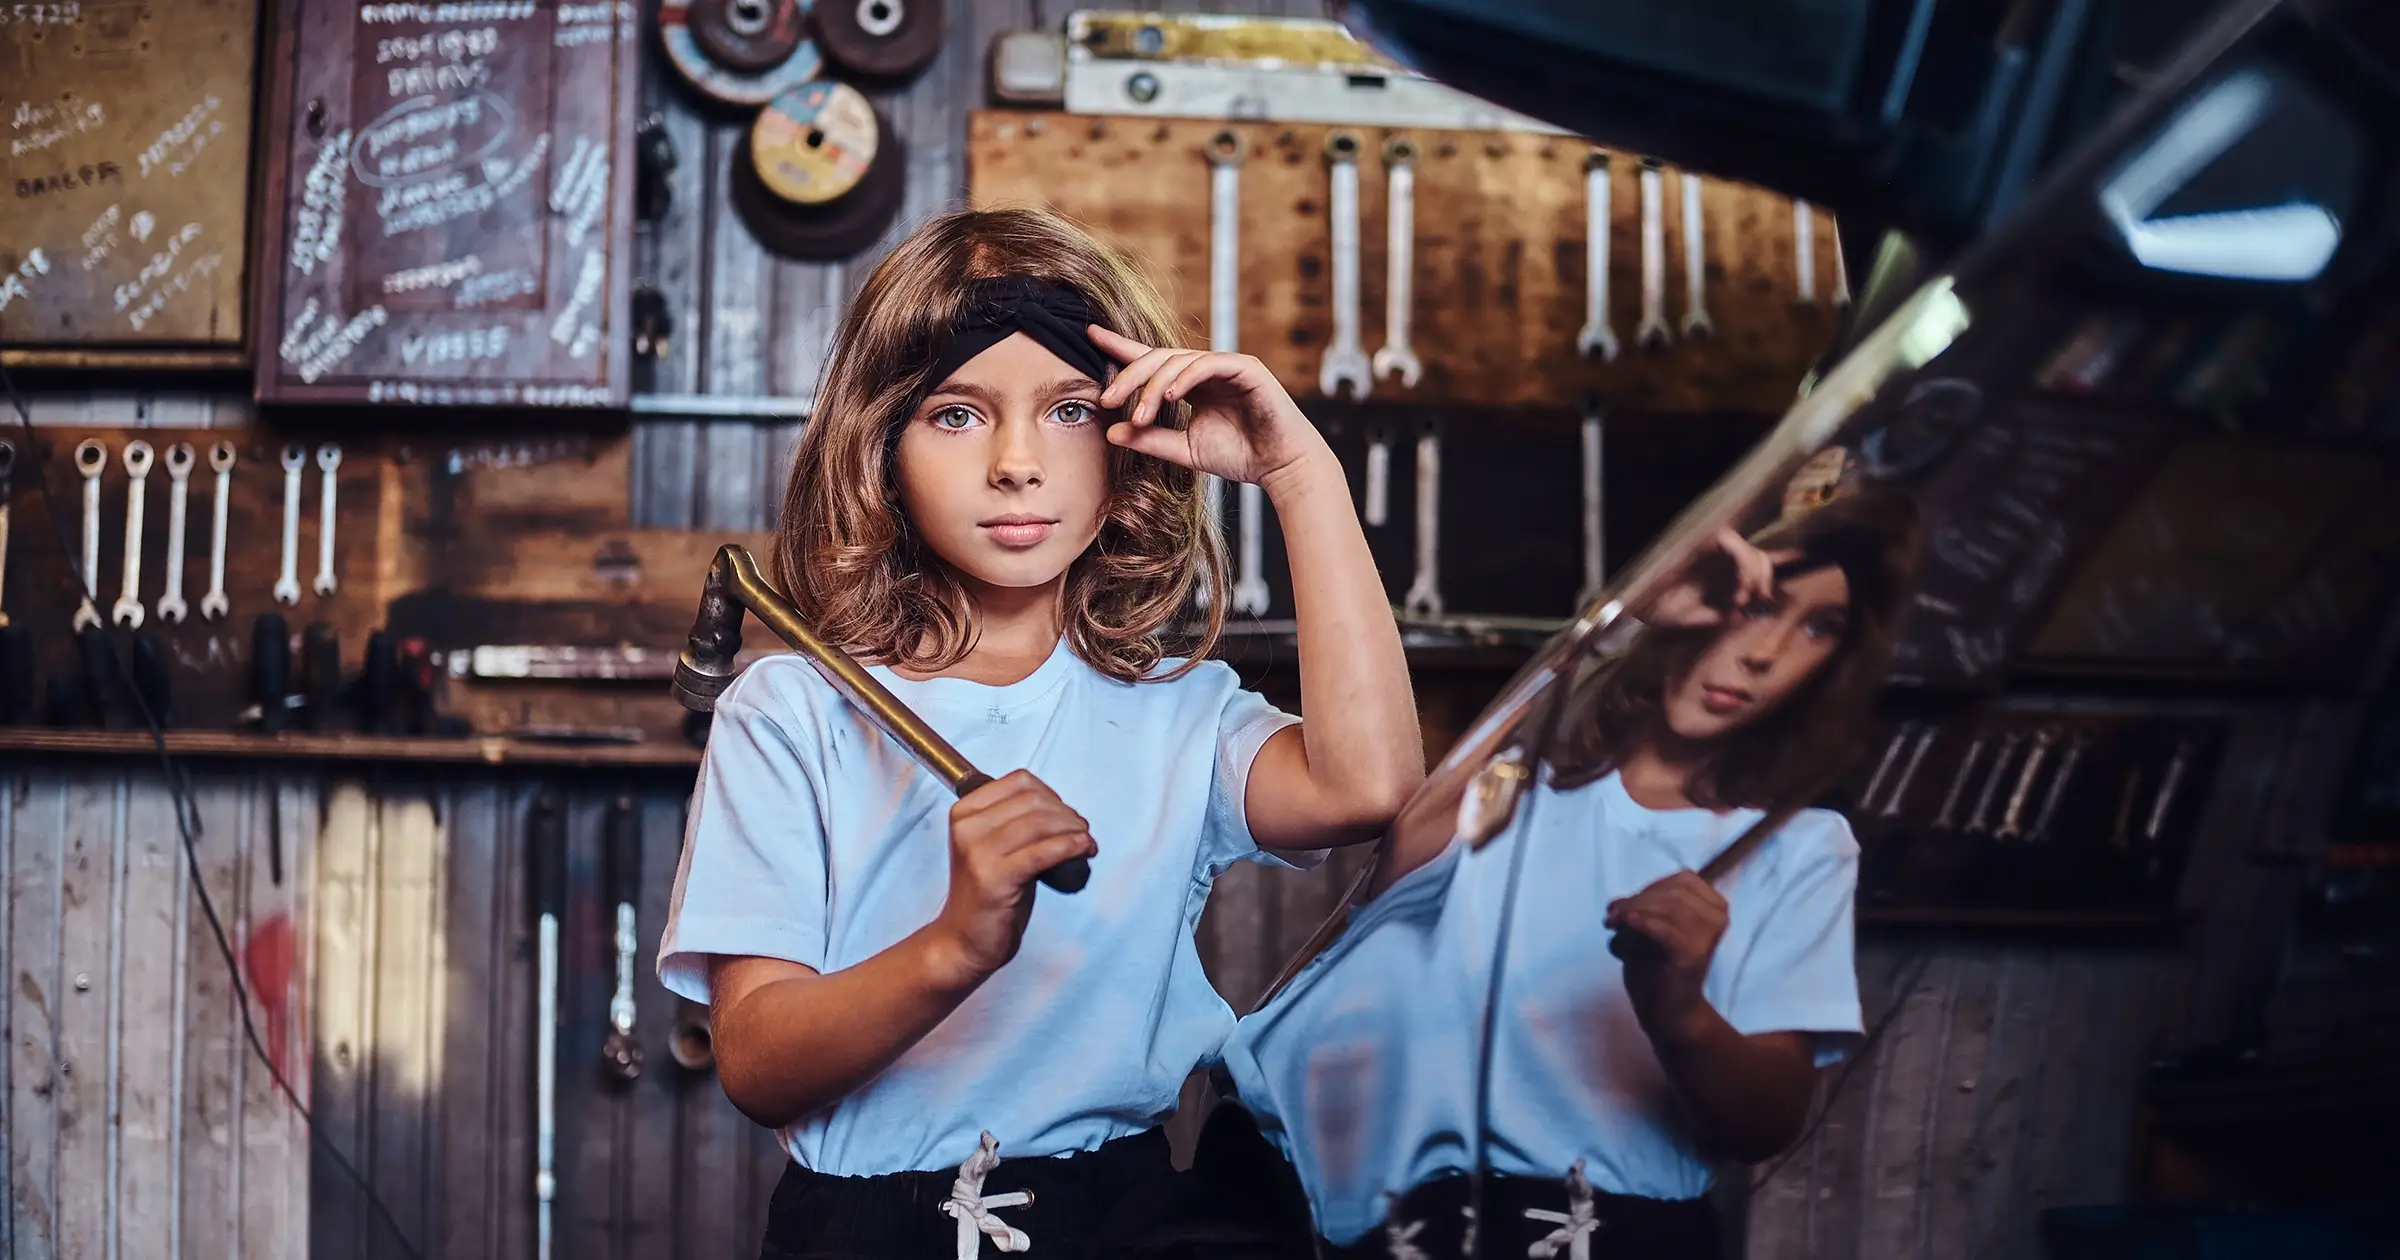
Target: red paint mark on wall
267	968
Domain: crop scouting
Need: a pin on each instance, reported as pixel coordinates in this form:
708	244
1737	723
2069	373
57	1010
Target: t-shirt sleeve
752	880
1801	971
1244	726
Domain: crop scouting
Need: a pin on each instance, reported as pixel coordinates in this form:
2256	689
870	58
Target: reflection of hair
1788	754
844	549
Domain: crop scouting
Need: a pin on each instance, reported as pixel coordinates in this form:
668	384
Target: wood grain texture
37	824
151	972
1499	280
87	1034
209	1147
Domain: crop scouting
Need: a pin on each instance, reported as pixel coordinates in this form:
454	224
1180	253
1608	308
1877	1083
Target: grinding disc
884	40
717	82
823	175
748	36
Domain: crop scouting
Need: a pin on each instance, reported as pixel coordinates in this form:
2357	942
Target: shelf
486	750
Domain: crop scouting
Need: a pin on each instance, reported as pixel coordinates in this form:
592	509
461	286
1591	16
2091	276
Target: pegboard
1499	256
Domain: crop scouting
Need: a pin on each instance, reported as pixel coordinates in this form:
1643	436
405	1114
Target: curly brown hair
1790	754
844	549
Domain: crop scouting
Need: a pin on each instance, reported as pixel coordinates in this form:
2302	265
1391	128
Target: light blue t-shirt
1364	1068
814	838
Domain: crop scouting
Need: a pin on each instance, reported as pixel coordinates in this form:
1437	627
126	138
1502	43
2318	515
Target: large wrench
1345	359
171	608
1425	593
1597	340
2058	785
1980	821
1225	152
2012	820
1396	359
1379	478
287	587
1653	334
127	611
90	459
1696	324
1804	252
8	471
214	605
1841	271
1908	774
329	462
1595	537
1947	819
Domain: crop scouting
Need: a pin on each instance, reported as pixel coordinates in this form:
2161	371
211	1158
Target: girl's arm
791	1041
1359	755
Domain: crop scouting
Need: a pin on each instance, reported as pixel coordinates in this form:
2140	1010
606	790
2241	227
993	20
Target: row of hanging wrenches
2007	798
181	459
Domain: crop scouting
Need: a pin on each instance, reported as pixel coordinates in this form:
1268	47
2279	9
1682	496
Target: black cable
1866	1049
187	823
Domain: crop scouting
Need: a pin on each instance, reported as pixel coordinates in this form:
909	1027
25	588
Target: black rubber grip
321	656
546	851
623	832
271	670
375	684
16	676
103	686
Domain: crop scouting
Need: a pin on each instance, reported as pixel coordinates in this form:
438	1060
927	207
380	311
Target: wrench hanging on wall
287	586
179	461
1425	593
329	463
1226	149
1396	360
1345	356
1595	540
91	459
1597	340
622	832
1804	252
1653	334
546	852
127	611
214	605
1696	324
1378	496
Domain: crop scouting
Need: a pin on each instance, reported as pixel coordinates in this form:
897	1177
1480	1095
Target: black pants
1123	1200
1631	1228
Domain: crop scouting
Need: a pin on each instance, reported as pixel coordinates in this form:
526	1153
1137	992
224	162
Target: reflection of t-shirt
814	838
1573	1075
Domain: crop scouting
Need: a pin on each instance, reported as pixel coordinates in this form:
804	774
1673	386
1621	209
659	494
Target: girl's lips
1722	700
1019	533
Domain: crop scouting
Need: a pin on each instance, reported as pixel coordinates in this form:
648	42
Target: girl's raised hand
1687	603
1244	425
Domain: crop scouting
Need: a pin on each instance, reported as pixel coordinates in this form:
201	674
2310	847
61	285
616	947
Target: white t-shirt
1573	1075
814	838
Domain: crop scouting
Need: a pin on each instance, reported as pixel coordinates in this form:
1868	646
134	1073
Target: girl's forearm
1747	1096
1365	751
794	1047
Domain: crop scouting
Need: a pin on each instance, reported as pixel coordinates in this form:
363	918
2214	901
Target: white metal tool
620	1051
214	605
1396	360
90	459
128	609
1378	494
1948	818
1980	821
1841	269
546	837
1595	540
2012	820
2058	785
1804	252
1597	340
1425	593
1883	768
2161	807
1345	356
8	472
179	461
1226	150
287	587
1696	323
1908	774
1653	333
329	463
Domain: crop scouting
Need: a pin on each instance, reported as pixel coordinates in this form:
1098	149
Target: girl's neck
1017	628
1658	773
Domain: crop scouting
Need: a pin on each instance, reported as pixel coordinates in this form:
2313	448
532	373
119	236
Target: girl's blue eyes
958	419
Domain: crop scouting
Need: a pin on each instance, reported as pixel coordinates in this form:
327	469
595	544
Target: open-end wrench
1883	768
90	459
2167	786
1345	358
1597	340
2058	785
1947	819
1653	334
1425	593
1595	538
1696	324
127	611
1908	773
1250	581
2012	821
1841	269
1395	358
1804	252
287	587
214	605
1980	821
8	472
1225	152
171	608
1378	508
329	462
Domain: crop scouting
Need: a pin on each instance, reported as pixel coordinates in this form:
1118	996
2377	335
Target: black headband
1054	315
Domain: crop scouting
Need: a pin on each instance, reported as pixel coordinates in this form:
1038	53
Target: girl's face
1004	466
1765	651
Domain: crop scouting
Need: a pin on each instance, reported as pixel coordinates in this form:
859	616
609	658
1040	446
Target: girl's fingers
1028	863
1203	367
1154	390
1133	377
1171	445
1125	349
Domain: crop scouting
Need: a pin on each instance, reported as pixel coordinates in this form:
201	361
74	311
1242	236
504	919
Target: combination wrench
1883	768
1841	270
2012	820
1345	358
90	459
1696	324
1595	539
1908	773
214	605
1425	593
8	472
287	587
127	611
1597	340
2167	786
1980	821
1225	152
1804	252
1395	360
2058	785
1378	494
1653	334
1947	819
171	608
329	462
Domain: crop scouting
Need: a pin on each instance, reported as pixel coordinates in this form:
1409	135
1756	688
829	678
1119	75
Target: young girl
1611	1086
997	505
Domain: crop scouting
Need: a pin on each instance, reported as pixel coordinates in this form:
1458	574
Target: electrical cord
187	823
1866	1049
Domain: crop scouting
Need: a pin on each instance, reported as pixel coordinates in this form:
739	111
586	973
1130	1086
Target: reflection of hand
1686	602
1683	918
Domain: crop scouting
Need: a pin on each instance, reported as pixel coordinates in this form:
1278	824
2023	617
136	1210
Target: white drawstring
972	1209
1575	1225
